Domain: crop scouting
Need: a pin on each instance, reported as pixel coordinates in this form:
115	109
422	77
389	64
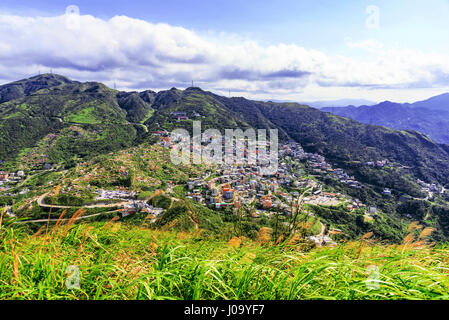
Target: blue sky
319	24
403	59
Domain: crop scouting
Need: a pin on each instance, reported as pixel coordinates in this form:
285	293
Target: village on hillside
237	185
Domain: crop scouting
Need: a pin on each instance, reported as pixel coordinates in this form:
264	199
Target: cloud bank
136	54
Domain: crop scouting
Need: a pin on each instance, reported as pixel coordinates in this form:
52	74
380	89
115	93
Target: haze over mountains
339	103
430	116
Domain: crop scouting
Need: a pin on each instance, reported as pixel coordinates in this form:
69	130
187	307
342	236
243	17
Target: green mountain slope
137	106
47	104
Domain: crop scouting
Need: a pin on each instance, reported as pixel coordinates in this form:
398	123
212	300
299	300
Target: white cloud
371	45
137	55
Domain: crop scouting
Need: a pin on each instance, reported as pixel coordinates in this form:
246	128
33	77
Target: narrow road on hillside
142	125
321	234
65	219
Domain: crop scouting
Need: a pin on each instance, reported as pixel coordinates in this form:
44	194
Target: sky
282	50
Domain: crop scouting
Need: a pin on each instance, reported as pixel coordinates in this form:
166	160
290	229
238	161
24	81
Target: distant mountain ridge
440	102
339	103
430	116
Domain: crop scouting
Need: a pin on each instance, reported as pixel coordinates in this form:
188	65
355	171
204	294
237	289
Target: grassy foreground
119	261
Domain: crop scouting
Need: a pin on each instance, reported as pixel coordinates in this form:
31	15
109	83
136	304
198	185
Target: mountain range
33	108
430	116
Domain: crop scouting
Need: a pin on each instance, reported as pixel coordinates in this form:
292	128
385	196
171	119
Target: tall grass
117	261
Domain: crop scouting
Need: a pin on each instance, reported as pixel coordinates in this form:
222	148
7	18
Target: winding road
65	219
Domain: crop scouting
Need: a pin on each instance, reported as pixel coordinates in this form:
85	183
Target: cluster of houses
318	164
249	185
141	206
36	157
114	194
378	164
241	184
430	187
131	206
10	178
180	115
246	185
